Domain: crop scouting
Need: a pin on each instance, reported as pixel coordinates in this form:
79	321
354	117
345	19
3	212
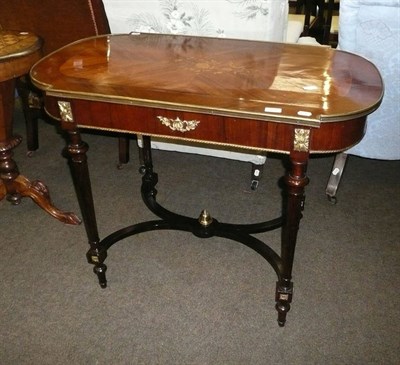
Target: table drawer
206	128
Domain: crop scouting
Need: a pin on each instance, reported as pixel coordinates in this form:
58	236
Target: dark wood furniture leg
203	227
295	181
76	150
32	108
123	150
13	185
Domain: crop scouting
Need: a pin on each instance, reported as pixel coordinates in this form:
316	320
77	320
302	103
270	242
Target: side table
289	99
18	52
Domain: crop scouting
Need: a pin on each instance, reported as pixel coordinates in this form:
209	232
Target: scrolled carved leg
15	186
39	193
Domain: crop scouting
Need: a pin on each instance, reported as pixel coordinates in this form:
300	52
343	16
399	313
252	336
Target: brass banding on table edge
222	144
296	120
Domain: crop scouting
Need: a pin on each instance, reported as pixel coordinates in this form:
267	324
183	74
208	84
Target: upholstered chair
371	29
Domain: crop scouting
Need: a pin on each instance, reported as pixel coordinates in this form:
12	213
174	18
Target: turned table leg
295	181
80	173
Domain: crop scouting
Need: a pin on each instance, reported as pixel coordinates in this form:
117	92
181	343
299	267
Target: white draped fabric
371	28
246	19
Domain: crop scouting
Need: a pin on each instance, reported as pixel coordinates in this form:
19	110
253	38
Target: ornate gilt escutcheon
65	111
179	125
301	141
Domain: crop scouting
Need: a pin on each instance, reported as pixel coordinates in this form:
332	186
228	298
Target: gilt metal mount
65	111
179	125
301	140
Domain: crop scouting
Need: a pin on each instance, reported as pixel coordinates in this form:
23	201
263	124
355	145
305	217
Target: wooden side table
18	52
286	98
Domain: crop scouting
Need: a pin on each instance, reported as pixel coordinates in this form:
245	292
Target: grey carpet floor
173	298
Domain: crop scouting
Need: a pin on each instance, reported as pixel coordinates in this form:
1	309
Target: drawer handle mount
179	125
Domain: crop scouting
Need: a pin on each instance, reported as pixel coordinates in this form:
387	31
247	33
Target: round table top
18	52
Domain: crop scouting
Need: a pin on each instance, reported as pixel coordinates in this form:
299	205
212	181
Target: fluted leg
295	181
78	162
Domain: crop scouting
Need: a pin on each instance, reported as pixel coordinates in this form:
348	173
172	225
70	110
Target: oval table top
249	79
18	52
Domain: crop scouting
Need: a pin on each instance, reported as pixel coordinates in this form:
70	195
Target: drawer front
199	127
207	128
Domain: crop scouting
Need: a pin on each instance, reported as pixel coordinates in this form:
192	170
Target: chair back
257	20
329	7
58	22
317	18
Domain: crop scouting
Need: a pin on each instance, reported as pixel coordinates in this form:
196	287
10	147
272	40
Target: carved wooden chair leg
334	178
